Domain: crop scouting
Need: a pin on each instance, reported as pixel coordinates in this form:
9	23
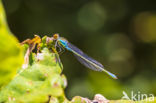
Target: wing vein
87	61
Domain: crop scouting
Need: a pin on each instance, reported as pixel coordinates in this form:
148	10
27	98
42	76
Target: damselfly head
56	36
62	41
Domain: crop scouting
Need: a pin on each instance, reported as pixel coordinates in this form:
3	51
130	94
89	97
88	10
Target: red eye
56	36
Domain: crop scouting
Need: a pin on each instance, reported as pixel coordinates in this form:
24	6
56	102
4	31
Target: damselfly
81	57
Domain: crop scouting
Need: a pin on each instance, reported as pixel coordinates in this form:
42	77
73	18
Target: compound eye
56	36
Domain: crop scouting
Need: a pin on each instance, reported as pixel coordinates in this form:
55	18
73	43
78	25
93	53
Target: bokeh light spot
120	56
91	16
144	26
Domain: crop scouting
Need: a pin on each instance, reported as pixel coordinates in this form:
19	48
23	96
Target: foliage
40	82
11	54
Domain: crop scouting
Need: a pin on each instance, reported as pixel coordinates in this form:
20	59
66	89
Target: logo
138	96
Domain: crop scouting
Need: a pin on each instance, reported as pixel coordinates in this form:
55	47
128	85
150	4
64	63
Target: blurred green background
121	34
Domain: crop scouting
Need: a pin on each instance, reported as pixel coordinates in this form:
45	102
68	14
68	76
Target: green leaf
37	83
11	54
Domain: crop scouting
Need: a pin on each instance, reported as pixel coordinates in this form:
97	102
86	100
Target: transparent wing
84	59
87	64
87	61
